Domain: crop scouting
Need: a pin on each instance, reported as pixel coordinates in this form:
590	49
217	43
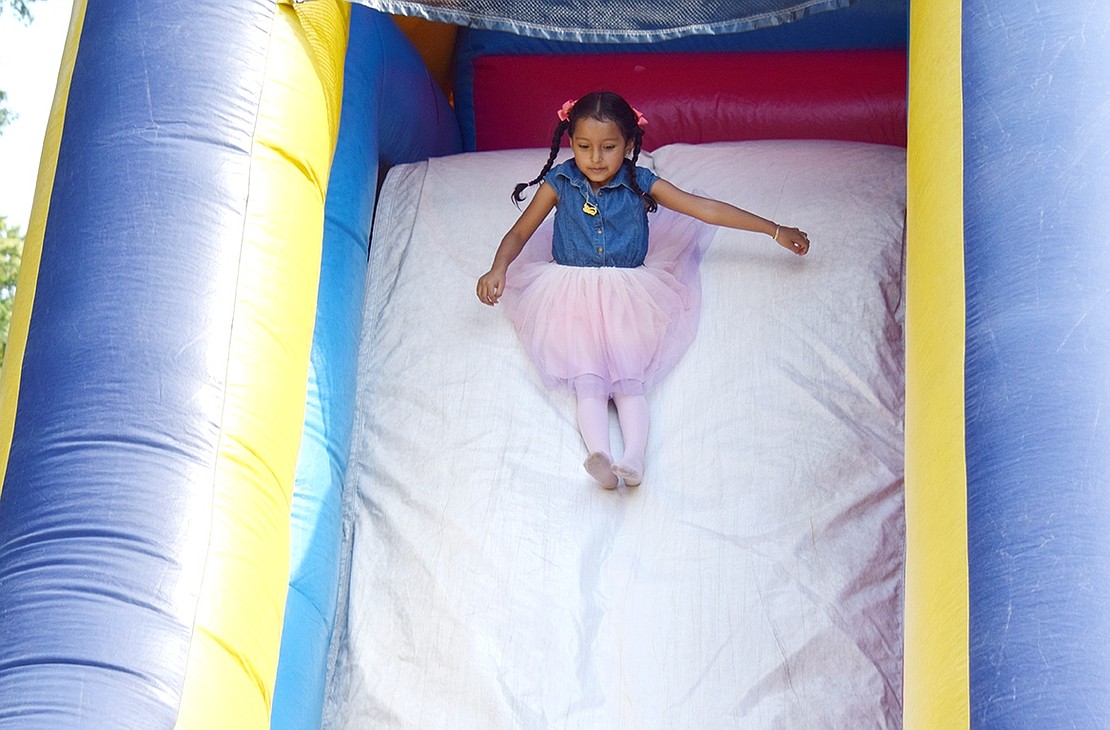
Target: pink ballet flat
600	467
632	477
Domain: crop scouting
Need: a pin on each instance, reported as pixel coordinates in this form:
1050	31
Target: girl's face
599	150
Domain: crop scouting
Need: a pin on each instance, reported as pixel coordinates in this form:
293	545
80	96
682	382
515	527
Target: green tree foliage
23	11
6	115
20	7
11	253
11	238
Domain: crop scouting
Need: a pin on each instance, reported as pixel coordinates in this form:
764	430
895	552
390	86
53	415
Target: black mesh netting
610	21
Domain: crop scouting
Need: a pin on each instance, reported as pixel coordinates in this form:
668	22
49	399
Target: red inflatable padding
700	97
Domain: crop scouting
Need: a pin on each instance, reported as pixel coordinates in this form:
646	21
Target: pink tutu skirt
601	331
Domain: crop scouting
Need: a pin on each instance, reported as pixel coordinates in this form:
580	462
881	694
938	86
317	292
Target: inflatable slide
267	461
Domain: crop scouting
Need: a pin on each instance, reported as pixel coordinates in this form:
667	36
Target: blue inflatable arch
177	396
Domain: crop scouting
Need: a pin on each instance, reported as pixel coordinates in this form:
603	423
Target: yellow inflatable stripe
232	664
32	244
323	23
936	639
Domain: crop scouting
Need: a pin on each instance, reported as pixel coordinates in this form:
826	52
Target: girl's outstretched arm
718	213
491	285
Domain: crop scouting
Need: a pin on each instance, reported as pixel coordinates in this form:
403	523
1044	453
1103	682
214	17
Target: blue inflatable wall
177	396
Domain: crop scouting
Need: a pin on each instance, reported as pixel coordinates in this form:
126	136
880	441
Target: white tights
593	423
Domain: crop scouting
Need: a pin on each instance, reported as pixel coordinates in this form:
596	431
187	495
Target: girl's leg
593	423
633	414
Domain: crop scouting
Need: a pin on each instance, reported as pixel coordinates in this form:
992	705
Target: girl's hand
792	239
491	286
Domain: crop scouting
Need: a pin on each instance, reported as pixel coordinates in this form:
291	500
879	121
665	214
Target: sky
29	60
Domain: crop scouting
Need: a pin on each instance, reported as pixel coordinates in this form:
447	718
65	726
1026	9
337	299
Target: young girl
603	313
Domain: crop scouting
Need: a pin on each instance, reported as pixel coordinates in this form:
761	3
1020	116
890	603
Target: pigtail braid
649	202
556	143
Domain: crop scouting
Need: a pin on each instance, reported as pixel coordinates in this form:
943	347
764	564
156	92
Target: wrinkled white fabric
754	580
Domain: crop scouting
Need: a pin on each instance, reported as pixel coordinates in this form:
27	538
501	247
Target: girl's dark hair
604	106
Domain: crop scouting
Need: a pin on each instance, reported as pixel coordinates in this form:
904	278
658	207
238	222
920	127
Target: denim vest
616	235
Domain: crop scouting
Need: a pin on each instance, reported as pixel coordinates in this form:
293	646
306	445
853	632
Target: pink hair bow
564	112
641	120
